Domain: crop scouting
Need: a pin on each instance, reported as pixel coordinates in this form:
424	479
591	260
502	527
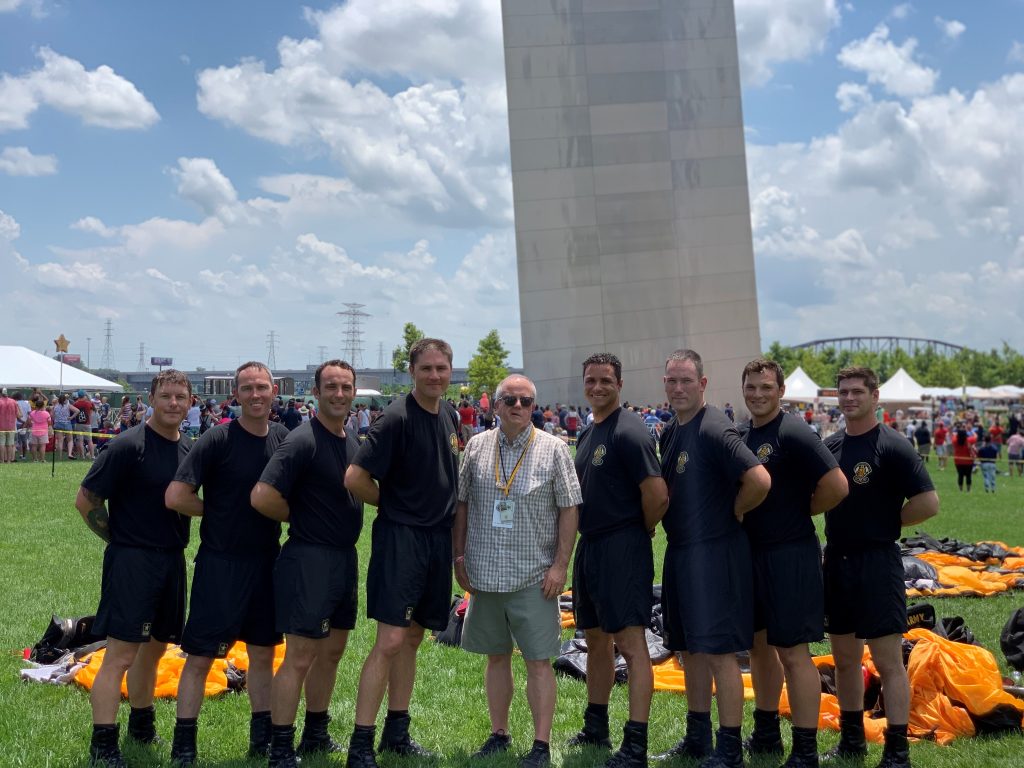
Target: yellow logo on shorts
860	473
146	629
764	453
222	650
599	453
681	462
325	626
453	443
408	613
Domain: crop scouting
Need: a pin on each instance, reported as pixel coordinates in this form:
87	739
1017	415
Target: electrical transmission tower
380	354
272	350
141	365
108	346
353	334
323	353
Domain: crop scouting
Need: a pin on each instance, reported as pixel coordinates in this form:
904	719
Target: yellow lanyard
499	467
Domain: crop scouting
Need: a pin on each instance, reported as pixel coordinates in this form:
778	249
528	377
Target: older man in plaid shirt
515	526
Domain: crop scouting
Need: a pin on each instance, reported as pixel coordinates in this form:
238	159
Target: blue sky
203	173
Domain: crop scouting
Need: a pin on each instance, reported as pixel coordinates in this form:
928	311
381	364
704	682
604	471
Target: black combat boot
805	749
896	753
183	745
142	725
282	747
259	734
697	744
395	736
728	750
103	751
595	728
852	744
633	752
315	737
360	748
767	736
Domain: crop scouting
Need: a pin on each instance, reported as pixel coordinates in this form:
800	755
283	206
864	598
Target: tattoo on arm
97	518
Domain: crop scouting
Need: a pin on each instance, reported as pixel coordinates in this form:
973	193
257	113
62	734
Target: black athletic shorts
231	600
143	594
316	589
410	575
612	580
789	598
864	592
707	596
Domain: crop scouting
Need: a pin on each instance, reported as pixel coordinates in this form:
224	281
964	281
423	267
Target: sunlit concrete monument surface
629	175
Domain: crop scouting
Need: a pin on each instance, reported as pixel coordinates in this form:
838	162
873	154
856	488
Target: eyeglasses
510	400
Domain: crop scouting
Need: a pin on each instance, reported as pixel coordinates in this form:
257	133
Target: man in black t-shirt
232	583
408	468
624	497
142	600
316	576
865	597
713	481
786	558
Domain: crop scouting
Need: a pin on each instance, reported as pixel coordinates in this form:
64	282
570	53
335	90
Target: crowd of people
505	516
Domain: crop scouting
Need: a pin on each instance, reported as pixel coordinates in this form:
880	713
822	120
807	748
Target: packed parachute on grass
951	568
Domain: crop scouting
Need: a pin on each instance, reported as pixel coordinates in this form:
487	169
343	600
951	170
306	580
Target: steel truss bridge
877	344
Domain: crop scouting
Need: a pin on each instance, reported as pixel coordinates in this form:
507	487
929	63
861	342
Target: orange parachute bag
168	673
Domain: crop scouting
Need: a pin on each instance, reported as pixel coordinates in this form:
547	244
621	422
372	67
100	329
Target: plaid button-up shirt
509	559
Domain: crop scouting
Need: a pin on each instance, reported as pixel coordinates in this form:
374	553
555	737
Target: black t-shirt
291	418
923	436
227	462
308	469
796	459
702	462
612	458
414	454
133	474
883	470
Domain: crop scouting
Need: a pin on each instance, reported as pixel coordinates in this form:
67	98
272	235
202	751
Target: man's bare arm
460	532
555	577
653	501
832	488
361	485
94	512
919	508
269	502
754	486
182	498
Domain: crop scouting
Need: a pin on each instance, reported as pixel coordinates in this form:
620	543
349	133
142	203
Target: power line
141	365
353	334
272	350
108	346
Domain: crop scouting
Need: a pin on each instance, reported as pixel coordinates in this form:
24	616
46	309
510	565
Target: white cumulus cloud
889	65
771	33
951	28
19	161
97	96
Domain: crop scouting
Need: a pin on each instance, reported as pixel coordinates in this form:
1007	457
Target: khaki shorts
494	620
7	438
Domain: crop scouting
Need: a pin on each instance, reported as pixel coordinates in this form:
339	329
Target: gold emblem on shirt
599	453
860	473
453	443
681	462
764	453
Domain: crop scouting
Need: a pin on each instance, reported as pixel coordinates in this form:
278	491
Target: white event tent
901	388
21	368
800	387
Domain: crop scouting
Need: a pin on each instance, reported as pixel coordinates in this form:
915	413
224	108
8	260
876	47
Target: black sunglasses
510	400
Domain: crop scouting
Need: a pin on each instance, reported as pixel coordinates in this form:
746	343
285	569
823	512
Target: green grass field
51	564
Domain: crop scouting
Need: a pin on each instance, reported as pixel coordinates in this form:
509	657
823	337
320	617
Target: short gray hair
688	354
500	391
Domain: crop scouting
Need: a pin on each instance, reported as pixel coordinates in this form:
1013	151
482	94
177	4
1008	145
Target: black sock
314	718
698	727
362	736
896	736
186	722
601	710
729	743
541	745
397	714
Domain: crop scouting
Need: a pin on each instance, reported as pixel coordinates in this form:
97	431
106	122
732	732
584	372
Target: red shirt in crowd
467	415
940	435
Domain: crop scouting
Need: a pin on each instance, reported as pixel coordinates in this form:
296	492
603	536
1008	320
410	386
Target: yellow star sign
62	343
